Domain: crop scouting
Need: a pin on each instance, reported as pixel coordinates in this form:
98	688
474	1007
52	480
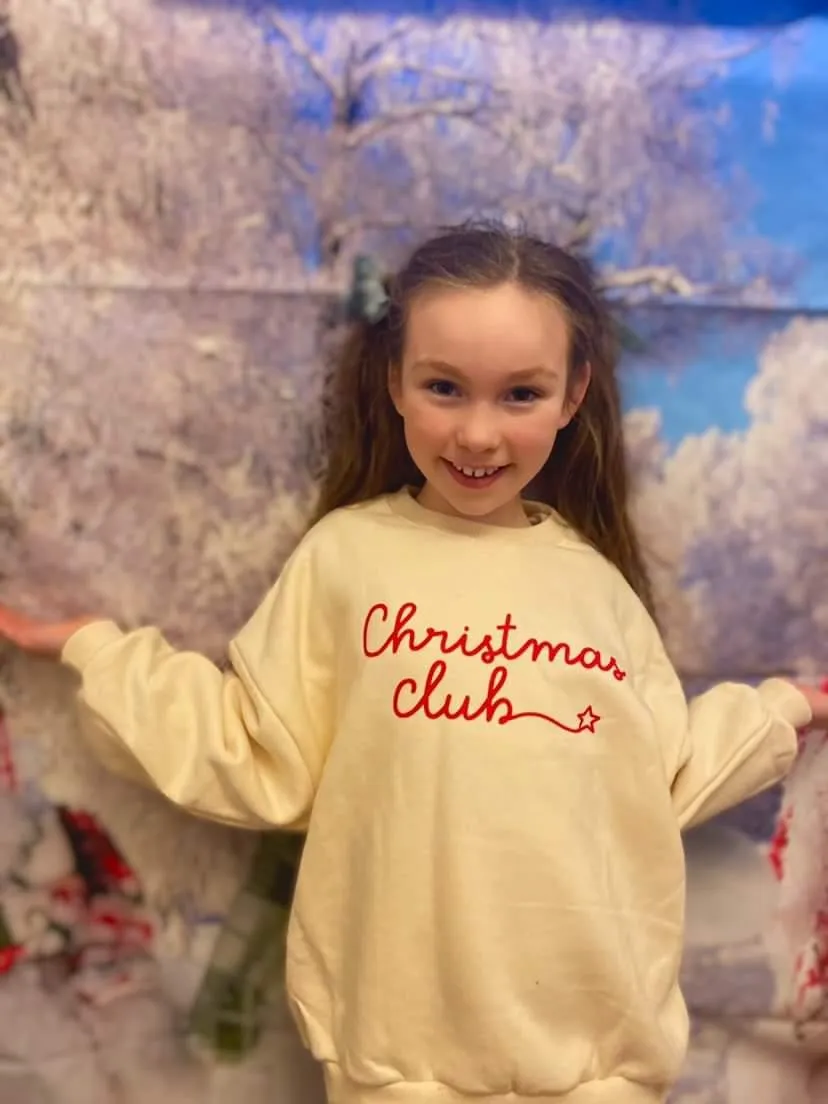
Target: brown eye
444	388
524	396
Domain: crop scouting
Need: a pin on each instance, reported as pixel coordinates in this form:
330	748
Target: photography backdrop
183	189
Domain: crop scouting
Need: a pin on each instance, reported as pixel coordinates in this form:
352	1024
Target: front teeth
476	473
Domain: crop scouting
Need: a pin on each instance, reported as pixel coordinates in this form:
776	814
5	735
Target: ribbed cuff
786	701
84	644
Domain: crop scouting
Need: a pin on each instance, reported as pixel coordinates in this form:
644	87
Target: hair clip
368	300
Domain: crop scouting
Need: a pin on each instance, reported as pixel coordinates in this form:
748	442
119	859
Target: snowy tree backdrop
184	186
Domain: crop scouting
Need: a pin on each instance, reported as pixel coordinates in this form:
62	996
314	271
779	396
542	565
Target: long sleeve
246	746
727	744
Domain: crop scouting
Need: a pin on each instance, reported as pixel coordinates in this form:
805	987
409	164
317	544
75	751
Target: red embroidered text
383	633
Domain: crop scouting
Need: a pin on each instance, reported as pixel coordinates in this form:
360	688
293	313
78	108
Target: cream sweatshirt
494	759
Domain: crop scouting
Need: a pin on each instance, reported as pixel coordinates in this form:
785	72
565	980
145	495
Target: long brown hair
585	478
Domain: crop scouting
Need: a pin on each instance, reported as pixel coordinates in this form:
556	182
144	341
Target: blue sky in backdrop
789	177
697	375
790	172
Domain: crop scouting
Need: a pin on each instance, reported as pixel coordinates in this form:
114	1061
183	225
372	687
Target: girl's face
482	391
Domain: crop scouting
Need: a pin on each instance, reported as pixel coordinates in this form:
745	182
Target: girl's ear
577	394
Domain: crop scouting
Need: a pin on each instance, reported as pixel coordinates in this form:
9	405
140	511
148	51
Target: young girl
457	689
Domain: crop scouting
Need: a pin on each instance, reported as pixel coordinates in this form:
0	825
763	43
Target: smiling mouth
474	477
475	473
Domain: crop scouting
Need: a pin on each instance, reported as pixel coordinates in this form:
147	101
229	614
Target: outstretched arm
739	741
728	744
246	746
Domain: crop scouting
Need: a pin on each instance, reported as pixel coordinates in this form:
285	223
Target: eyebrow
523	375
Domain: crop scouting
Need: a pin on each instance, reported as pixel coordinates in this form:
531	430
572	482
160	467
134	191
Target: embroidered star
588	720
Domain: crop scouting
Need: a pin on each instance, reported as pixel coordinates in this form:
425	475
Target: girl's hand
818	701
41	638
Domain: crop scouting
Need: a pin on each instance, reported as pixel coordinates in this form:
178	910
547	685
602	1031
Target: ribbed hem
84	644
612	1090
786	701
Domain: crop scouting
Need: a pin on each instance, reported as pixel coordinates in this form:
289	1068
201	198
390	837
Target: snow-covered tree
259	149
756	543
149	161
590	132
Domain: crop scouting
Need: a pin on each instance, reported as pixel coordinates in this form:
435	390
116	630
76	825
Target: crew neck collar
545	522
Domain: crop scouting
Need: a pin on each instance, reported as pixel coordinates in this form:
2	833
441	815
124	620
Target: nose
478	429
